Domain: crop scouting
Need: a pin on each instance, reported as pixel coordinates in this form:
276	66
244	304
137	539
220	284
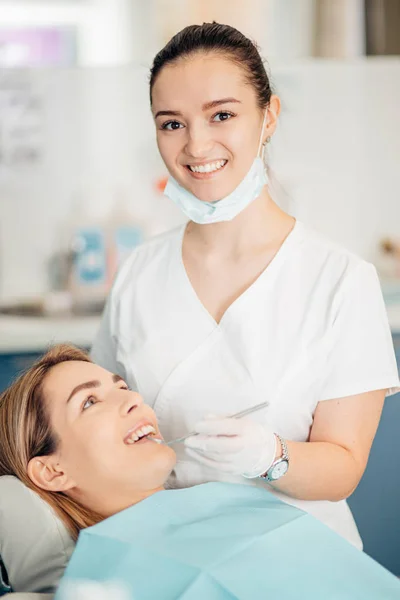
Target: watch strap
285	451
284	457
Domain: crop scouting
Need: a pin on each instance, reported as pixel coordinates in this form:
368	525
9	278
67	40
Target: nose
199	142
130	401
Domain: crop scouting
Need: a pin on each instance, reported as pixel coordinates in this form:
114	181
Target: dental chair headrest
35	546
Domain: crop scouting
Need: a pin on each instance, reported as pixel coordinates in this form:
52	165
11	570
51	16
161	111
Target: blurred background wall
73	90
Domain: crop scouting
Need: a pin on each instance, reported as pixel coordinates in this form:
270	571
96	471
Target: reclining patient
75	434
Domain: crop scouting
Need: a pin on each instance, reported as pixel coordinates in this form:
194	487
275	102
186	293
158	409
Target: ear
274	109
46	473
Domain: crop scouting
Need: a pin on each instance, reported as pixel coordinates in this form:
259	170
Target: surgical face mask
227	208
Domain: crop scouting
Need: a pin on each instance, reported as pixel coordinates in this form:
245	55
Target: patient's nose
133	400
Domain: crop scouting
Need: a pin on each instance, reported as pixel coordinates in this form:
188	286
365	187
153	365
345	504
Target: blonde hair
25	432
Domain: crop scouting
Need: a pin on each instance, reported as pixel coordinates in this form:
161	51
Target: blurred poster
21	100
38	47
21	120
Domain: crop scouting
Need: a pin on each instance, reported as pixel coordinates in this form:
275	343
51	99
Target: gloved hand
239	446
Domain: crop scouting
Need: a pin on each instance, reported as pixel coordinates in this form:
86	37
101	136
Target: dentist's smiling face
98	421
208	123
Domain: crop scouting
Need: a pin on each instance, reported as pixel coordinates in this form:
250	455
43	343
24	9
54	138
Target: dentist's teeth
209	167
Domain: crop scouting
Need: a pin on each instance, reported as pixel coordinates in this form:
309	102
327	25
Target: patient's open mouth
140	434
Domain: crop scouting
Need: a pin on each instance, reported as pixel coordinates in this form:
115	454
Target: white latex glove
238	446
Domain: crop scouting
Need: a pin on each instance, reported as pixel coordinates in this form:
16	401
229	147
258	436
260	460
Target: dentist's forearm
319	471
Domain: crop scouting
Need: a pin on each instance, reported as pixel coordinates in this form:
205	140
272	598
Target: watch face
279	470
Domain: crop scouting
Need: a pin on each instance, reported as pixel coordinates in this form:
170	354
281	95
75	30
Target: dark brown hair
224	40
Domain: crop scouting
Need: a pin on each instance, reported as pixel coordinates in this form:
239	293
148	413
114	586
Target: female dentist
244	304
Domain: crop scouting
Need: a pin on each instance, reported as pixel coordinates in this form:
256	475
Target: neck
112	505
262	223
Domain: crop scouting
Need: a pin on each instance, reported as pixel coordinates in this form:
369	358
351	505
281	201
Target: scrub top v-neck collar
271	267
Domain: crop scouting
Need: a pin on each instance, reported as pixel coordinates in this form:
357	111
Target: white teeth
144	431
139	433
209	167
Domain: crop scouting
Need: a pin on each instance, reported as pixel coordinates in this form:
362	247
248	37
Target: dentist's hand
238	446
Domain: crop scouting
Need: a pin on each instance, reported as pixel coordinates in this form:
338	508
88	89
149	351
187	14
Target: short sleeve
361	356
104	348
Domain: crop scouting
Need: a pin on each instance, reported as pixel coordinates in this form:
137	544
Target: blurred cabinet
376	501
12	364
382	20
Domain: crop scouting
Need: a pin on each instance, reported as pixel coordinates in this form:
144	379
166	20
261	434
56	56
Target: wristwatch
280	466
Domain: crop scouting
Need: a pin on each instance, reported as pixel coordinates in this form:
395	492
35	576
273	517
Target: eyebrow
87	385
206	106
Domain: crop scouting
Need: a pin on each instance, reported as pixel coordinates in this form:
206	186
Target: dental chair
35	546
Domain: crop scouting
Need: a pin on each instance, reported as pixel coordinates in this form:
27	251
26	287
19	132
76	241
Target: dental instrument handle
238	415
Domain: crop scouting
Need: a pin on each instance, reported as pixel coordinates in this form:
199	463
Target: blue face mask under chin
227	208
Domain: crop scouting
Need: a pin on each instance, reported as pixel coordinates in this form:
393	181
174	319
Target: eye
171	125
224	116
125	387
90	401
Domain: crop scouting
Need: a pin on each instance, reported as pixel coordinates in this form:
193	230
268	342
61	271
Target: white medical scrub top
312	327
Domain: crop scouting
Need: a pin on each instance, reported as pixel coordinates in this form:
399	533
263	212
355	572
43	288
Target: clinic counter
34	334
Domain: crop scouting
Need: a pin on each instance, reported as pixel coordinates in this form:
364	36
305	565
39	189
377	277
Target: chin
158	472
163	460
213	194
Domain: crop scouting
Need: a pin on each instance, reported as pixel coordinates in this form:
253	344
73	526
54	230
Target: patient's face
99	421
